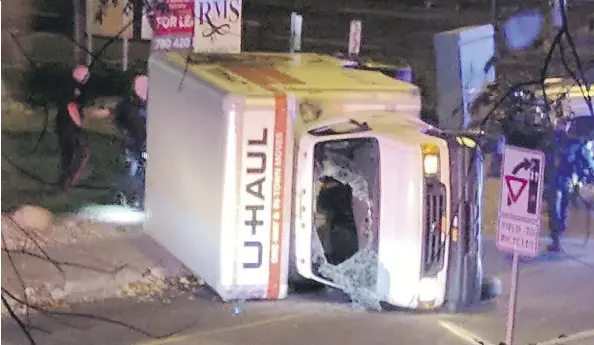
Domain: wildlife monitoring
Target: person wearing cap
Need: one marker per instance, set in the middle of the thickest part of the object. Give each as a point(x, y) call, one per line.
point(130, 119)
point(72, 140)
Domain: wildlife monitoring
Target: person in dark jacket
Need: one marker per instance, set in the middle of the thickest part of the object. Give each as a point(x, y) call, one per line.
point(130, 118)
point(72, 140)
point(574, 169)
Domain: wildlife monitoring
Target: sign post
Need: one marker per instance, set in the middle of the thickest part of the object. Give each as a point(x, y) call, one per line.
point(125, 46)
point(89, 31)
point(296, 30)
point(174, 28)
point(518, 226)
point(355, 37)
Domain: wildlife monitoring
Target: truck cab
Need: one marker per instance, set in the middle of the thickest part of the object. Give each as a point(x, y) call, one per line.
point(375, 193)
point(361, 196)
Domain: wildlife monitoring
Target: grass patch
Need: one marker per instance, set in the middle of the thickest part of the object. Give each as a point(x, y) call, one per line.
point(104, 169)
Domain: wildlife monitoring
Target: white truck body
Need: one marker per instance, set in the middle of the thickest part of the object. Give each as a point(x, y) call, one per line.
point(231, 174)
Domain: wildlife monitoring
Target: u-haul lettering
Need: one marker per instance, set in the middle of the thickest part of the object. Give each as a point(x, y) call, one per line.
point(262, 197)
point(255, 208)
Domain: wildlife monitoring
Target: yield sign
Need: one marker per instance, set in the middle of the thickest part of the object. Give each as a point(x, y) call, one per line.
point(515, 187)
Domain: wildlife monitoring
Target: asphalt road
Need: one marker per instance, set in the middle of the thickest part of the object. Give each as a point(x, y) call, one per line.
point(555, 299)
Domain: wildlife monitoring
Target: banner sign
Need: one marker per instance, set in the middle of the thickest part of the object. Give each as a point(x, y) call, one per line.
point(218, 27)
point(174, 28)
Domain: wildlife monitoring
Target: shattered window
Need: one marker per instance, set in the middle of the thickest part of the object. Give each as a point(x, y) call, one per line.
point(344, 243)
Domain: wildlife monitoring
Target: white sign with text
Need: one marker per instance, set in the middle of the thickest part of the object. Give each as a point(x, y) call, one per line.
point(218, 26)
point(522, 180)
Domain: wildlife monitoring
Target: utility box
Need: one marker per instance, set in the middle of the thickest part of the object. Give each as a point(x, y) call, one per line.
point(462, 58)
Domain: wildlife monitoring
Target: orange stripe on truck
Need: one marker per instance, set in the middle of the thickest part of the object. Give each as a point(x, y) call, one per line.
point(266, 77)
point(278, 190)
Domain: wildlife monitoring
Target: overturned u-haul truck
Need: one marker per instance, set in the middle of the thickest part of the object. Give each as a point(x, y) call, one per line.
point(271, 169)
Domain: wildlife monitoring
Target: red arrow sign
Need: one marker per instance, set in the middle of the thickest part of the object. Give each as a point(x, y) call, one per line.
point(513, 196)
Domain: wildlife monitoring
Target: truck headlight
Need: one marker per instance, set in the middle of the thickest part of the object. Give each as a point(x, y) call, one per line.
point(430, 159)
point(428, 290)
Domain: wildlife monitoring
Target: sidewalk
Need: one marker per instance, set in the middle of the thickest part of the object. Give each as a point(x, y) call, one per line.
point(91, 267)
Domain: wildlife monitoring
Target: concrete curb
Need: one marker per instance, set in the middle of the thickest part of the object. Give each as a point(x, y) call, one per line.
point(93, 270)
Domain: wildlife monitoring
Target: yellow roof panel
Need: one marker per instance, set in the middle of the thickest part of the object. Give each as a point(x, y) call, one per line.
point(263, 73)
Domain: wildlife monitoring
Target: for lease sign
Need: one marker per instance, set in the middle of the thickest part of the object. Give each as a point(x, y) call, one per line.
point(264, 141)
point(174, 27)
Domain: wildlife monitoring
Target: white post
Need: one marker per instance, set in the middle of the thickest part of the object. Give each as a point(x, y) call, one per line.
point(296, 31)
point(79, 27)
point(125, 44)
point(513, 295)
point(89, 30)
point(125, 52)
point(355, 33)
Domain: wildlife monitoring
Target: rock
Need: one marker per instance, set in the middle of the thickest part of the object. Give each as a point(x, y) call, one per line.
point(184, 281)
point(154, 273)
point(34, 218)
point(29, 292)
point(26, 228)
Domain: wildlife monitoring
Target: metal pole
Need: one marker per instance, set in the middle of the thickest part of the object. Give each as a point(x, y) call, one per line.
point(89, 29)
point(79, 30)
point(125, 44)
point(494, 12)
point(511, 308)
point(125, 52)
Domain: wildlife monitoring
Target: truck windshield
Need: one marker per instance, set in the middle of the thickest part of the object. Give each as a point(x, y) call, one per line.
point(346, 216)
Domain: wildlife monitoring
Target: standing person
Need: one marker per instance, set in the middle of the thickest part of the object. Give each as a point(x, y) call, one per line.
point(72, 140)
point(560, 164)
point(130, 118)
point(574, 168)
